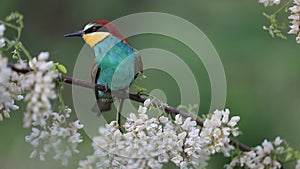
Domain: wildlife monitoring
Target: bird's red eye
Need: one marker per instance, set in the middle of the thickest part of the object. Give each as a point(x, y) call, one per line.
point(92, 29)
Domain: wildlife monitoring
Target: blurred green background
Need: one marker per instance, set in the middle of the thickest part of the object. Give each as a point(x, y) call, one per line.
point(262, 73)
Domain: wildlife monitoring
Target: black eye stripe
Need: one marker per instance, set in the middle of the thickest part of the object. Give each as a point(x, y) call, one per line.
point(96, 29)
point(92, 29)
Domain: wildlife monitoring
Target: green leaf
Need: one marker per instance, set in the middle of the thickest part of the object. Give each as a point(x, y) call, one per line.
point(289, 156)
point(297, 155)
point(15, 16)
point(62, 68)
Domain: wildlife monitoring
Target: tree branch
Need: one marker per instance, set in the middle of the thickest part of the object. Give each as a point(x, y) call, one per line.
point(135, 97)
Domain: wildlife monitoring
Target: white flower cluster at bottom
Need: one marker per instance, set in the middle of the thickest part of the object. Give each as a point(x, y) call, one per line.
point(261, 157)
point(152, 142)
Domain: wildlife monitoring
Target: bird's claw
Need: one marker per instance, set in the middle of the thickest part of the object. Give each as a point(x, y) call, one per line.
point(106, 89)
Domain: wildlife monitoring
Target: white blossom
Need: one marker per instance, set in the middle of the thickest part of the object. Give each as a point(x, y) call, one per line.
point(178, 119)
point(260, 157)
point(152, 142)
point(43, 56)
point(52, 132)
point(147, 103)
point(142, 109)
point(59, 137)
point(295, 17)
point(297, 164)
point(41, 87)
point(10, 89)
point(216, 131)
point(233, 121)
point(2, 29)
point(269, 2)
point(267, 147)
point(2, 42)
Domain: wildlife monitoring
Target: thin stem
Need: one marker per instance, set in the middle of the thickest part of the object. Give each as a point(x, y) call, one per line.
point(25, 51)
point(18, 29)
point(60, 96)
point(9, 25)
point(19, 33)
point(9, 44)
point(282, 7)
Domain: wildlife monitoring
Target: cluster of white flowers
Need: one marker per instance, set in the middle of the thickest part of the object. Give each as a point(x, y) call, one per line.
point(151, 142)
point(41, 90)
point(10, 89)
point(295, 17)
point(51, 131)
point(10, 84)
point(269, 2)
point(216, 130)
point(58, 137)
point(261, 157)
point(2, 40)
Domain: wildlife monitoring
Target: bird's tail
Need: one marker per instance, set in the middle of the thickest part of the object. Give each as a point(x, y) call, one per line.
point(102, 105)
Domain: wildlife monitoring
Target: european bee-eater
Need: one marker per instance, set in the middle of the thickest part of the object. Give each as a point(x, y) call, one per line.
point(116, 62)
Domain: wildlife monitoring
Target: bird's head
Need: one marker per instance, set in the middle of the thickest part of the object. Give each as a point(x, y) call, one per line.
point(97, 30)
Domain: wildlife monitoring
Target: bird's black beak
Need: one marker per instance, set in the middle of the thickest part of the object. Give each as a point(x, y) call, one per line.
point(77, 33)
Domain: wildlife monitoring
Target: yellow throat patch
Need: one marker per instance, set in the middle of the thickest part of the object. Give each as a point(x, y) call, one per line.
point(93, 38)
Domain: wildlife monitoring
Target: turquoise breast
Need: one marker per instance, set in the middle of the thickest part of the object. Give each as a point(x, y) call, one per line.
point(116, 60)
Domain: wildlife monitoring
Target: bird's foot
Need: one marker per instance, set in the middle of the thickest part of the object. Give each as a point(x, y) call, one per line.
point(106, 89)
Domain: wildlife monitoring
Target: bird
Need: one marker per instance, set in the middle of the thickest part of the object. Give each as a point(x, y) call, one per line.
point(116, 63)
